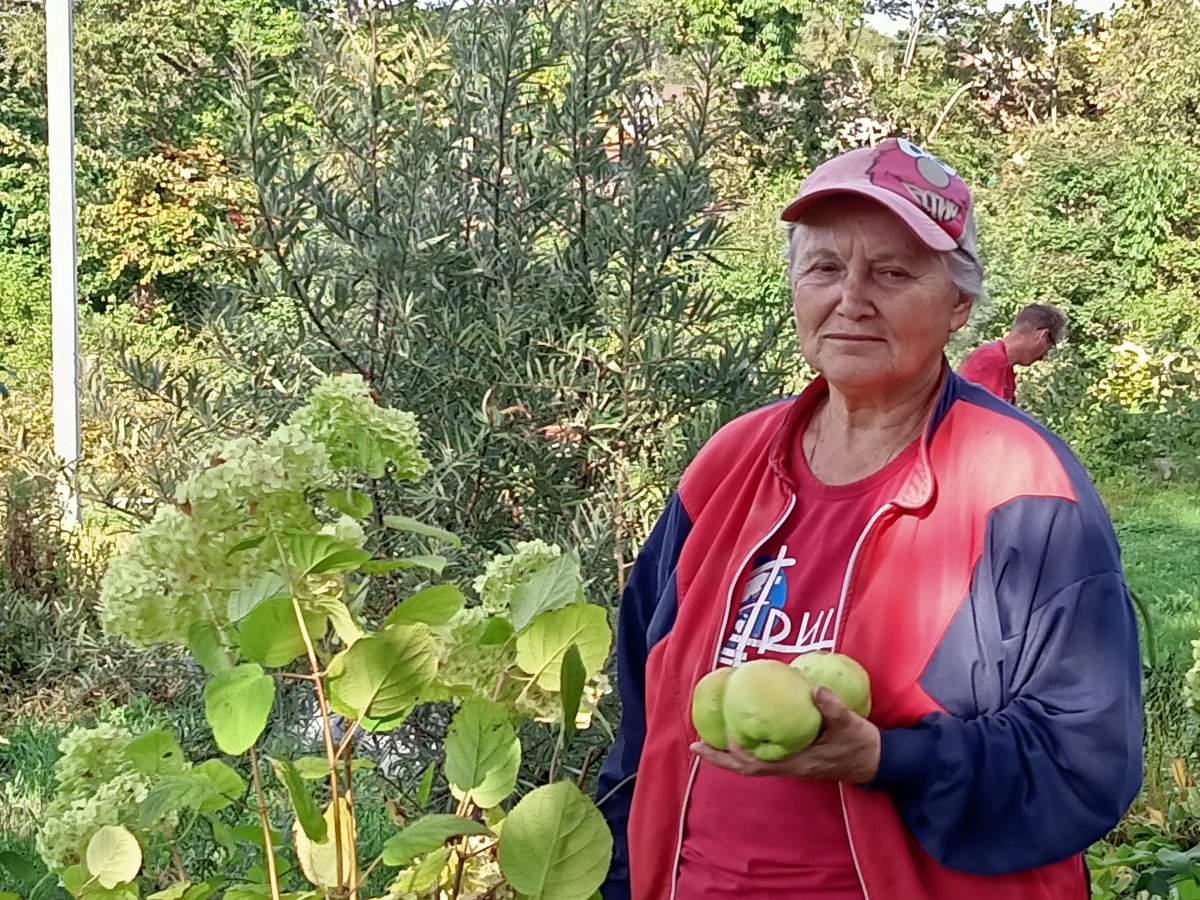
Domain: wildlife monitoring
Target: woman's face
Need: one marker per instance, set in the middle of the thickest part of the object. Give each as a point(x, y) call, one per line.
point(874, 306)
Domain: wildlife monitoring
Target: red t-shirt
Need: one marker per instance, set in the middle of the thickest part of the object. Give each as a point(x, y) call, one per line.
point(989, 367)
point(754, 838)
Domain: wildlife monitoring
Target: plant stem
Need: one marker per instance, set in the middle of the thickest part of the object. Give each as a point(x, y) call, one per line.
point(268, 847)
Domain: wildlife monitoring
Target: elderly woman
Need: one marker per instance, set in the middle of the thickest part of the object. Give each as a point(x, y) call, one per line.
point(897, 514)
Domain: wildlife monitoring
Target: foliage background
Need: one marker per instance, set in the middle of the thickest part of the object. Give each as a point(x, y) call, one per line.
point(550, 231)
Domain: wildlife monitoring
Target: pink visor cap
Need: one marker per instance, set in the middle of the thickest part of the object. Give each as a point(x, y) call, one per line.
point(923, 191)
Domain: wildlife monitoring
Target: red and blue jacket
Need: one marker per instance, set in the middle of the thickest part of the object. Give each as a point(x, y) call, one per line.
point(987, 603)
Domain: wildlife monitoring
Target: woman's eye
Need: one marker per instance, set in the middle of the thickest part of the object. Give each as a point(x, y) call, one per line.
point(894, 274)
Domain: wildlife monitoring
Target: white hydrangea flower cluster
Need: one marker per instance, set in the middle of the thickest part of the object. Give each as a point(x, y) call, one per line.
point(97, 785)
point(179, 570)
point(504, 572)
point(481, 877)
point(361, 435)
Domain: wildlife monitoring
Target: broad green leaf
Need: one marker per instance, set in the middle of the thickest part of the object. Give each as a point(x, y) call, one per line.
point(223, 834)
point(5, 895)
point(497, 631)
point(542, 646)
point(350, 502)
point(113, 856)
point(571, 681)
point(384, 675)
point(226, 784)
point(236, 705)
point(319, 860)
point(316, 768)
point(155, 752)
point(244, 600)
point(172, 793)
point(78, 882)
point(553, 586)
point(425, 835)
point(555, 845)
point(321, 554)
point(412, 526)
point(433, 606)
point(19, 867)
point(308, 814)
point(434, 564)
point(483, 753)
point(426, 786)
point(339, 617)
point(204, 640)
point(421, 878)
point(271, 635)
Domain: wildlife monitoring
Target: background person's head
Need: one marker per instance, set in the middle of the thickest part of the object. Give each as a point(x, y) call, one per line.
point(882, 265)
point(1036, 330)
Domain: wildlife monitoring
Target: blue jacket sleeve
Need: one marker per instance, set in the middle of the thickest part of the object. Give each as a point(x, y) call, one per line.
point(1048, 754)
point(645, 616)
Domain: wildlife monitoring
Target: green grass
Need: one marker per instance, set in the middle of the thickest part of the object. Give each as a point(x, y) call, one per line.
point(1158, 527)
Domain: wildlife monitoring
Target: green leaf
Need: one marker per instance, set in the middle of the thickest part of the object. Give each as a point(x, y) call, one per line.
point(316, 768)
point(426, 786)
point(433, 606)
point(227, 785)
point(542, 646)
point(571, 681)
point(497, 631)
point(205, 643)
point(321, 554)
point(555, 845)
point(155, 752)
point(422, 877)
point(271, 635)
point(483, 753)
point(19, 867)
point(223, 834)
point(413, 526)
point(248, 544)
point(434, 564)
point(383, 675)
point(236, 705)
point(319, 861)
point(113, 856)
point(426, 835)
point(350, 502)
point(553, 586)
point(243, 601)
point(335, 609)
point(171, 794)
point(308, 814)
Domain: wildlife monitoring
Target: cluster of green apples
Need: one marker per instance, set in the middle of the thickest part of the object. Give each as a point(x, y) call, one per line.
point(766, 706)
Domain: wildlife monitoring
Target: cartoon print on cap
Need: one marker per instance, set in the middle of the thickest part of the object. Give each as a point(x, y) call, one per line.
point(905, 169)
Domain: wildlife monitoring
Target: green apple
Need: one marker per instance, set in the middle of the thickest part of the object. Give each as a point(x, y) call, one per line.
point(708, 714)
point(842, 675)
point(769, 709)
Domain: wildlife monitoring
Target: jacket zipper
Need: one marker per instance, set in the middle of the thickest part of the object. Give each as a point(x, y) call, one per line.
point(837, 634)
point(715, 657)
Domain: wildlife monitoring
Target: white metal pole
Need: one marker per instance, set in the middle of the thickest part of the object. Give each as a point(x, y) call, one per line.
point(60, 115)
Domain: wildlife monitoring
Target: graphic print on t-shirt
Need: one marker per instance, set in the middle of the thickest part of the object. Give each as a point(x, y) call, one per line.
point(763, 626)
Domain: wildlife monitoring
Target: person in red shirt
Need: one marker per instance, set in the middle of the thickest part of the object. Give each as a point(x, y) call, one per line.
point(1036, 331)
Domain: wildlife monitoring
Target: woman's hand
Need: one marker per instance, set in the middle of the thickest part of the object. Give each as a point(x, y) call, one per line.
point(847, 749)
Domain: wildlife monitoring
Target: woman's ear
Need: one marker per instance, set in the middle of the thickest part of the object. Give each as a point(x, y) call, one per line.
point(961, 311)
